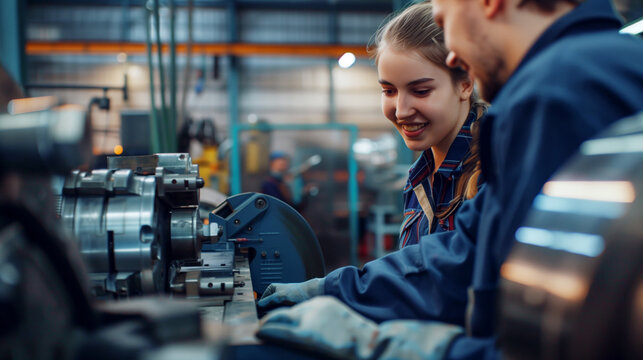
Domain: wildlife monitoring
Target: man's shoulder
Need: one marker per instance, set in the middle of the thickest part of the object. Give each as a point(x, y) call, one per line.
point(595, 47)
point(574, 65)
point(269, 182)
point(600, 52)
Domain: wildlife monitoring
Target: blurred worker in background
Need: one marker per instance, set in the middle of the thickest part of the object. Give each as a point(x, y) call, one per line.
point(556, 73)
point(435, 110)
point(276, 184)
point(283, 180)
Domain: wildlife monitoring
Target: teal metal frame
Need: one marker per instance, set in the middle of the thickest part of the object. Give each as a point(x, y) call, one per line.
point(353, 187)
point(12, 39)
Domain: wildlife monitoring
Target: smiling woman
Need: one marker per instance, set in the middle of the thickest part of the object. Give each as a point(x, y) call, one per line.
point(434, 108)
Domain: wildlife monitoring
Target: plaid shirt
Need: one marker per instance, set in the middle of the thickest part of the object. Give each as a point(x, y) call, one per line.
point(435, 197)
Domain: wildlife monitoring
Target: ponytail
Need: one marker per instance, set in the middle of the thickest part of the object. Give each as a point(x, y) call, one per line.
point(467, 186)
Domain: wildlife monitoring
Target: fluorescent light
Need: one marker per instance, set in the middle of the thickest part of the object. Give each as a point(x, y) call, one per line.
point(347, 60)
point(590, 245)
point(121, 58)
point(614, 191)
point(634, 28)
point(613, 145)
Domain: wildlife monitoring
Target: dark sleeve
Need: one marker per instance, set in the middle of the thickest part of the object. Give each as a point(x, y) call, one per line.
point(270, 188)
point(471, 348)
point(425, 281)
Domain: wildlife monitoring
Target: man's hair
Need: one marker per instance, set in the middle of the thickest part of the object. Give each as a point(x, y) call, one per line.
point(547, 5)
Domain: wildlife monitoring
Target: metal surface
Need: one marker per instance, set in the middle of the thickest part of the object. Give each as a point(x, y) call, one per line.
point(138, 230)
point(571, 287)
point(134, 219)
point(280, 244)
point(44, 297)
point(183, 231)
point(214, 275)
point(125, 219)
point(54, 140)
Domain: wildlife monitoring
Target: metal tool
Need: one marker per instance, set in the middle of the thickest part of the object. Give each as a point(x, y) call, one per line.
point(280, 244)
point(134, 220)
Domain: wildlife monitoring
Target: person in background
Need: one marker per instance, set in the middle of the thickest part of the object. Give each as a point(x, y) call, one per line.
point(435, 109)
point(556, 73)
point(276, 183)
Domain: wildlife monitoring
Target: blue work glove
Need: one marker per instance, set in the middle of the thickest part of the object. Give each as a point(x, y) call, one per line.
point(326, 325)
point(277, 295)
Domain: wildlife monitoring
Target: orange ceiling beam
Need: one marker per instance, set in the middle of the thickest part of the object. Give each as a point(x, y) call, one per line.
point(238, 49)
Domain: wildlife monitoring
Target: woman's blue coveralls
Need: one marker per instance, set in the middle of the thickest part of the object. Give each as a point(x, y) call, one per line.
point(578, 77)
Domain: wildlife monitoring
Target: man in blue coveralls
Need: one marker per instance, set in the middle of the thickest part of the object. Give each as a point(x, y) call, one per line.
point(556, 73)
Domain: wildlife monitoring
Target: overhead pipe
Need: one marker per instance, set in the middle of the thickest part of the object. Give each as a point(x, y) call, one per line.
point(123, 88)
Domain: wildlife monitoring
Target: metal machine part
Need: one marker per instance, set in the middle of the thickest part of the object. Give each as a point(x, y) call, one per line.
point(280, 244)
point(124, 218)
point(139, 232)
point(572, 287)
point(55, 141)
point(134, 220)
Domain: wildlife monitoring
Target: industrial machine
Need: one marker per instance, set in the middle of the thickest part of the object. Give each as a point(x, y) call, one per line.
point(139, 232)
point(572, 287)
point(136, 231)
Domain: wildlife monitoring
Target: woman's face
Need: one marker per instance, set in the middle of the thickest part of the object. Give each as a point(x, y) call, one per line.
point(419, 98)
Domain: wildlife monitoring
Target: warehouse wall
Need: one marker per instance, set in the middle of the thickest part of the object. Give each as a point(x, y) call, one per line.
point(278, 89)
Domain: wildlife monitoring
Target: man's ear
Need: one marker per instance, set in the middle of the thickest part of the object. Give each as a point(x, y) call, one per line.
point(492, 7)
point(466, 88)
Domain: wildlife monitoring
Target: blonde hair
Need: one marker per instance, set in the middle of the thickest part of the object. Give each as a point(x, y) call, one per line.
point(413, 29)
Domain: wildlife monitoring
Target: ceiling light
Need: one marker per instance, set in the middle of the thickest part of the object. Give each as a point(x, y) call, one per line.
point(347, 60)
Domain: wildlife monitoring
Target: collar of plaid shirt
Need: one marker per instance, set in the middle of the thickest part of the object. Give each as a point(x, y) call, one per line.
point(452, 163)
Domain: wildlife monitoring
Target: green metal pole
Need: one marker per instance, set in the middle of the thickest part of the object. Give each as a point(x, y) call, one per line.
point(154, 121)
point(187, 71)
point(172, 130)
point(159, 50)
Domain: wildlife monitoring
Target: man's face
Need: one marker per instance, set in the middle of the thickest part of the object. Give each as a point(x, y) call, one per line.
point(279, 165)
point(471, 48)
